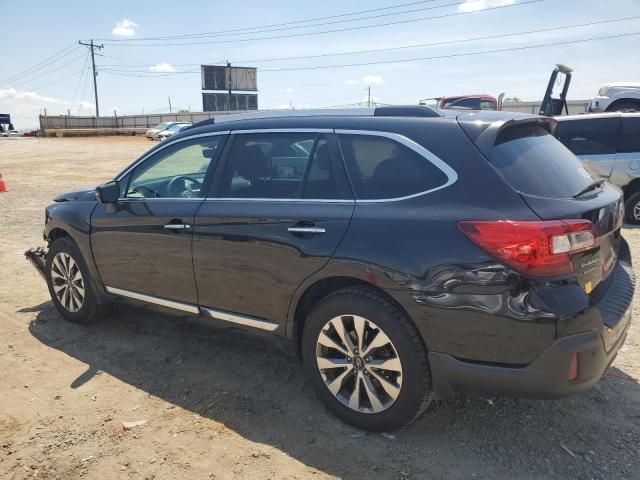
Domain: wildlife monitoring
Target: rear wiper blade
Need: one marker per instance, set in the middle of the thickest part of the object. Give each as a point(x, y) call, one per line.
point(588, 188)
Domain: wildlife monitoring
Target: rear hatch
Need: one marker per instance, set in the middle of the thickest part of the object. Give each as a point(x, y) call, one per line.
point(556, 186)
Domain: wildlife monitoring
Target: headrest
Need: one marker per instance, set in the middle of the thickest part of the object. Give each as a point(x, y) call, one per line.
point(251, 162)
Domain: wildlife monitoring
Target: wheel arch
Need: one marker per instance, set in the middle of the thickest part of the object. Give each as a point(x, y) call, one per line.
point(630, 188)
point(618, 102)
point(312, 293)
point(57, 233)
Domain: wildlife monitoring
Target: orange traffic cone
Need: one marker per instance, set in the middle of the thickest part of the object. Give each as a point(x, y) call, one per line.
point(3, 187)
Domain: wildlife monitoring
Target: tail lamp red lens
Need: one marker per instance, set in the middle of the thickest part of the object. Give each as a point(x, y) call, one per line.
point(541, 248)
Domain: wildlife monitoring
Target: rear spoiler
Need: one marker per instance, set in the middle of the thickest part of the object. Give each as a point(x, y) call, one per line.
point(483, 128)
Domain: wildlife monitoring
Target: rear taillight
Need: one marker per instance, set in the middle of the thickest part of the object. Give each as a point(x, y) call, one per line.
point(535, 248)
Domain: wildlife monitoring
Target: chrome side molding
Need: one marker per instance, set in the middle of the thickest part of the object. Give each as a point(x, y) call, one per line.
point(240, 319)
point(185, 307)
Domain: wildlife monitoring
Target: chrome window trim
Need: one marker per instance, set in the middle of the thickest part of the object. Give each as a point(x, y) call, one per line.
point(452, 175)
point(245, 320)
point(282, 130)
point(165, 145)
point(276, 200)
point(160, 199)
point(185, 307)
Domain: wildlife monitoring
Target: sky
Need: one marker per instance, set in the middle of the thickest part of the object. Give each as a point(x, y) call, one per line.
point(138, 74)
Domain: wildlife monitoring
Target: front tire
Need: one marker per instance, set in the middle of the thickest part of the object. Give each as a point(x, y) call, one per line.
point(625, 107)
point(69, 283)
point(365, 360)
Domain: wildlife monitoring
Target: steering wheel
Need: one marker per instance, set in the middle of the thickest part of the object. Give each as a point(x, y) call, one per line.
point(177, 186)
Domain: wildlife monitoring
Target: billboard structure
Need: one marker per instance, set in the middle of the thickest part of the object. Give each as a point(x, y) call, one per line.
point(223, 88)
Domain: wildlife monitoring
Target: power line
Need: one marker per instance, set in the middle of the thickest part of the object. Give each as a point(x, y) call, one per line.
point(346, 29)
point(377, 50)
point(84, 70)
point(8, 79)
point(453, 55)
point(190, 35)
point(54, 70)
point(279, 29)
point(55, 81)
point(40, 66)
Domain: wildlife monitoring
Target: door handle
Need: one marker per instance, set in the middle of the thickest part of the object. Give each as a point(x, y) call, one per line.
point(177, 226)
point(307, 230)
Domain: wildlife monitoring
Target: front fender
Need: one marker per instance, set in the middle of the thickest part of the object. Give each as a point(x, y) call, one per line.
point(74, 219)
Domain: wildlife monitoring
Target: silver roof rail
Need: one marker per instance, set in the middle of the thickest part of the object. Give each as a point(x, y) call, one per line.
point(385, 111)
point(316, 112)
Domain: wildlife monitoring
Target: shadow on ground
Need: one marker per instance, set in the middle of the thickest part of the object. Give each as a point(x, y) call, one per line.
point(260, 393)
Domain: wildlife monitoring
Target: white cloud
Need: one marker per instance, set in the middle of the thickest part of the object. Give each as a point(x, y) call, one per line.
point(288, 90)
point(25, 106)
point(372, 79)
point(125, 28)
point(367, 79)
point(162, 67)
point(476, 5)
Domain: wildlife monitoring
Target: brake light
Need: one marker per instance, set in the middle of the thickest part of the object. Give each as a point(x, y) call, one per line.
point(536, 248)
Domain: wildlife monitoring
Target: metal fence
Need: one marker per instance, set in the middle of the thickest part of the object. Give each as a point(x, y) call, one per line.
point(133, 124)
point(575, 107)
point(119, 123)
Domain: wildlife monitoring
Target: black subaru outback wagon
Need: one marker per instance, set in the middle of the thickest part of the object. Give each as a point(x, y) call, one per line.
point(408, 255)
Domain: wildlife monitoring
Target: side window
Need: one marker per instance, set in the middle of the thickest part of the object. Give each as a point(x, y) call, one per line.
point(597, 136)
point(630, 138)
point(280, 165)
point(382, 168)
point(177, 171)
point(326, 179)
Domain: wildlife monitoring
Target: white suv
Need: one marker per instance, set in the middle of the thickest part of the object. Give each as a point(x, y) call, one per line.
point(616, 97)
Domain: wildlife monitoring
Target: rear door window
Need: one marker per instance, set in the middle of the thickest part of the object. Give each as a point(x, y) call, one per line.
point(534, 163)
point(597, 136)
point(283, 166)
point(630, 137)
point(383, 168)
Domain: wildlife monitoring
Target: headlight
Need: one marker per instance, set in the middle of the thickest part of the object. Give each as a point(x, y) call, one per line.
point(603, 91)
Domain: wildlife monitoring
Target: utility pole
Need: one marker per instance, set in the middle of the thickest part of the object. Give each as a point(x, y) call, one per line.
point(369, 97)
point(170, 111)
point(92, 47)
point(229, 85)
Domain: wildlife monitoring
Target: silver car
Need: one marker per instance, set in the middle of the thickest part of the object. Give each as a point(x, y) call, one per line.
point(153, 132)
point(616, 97)
point(609, 146)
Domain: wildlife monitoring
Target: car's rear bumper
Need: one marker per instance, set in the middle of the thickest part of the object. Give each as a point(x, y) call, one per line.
point(548, 375)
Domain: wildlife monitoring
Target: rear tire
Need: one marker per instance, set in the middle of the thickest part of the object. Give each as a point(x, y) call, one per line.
point(70, 284)
point(632, 209)
point(352, 387)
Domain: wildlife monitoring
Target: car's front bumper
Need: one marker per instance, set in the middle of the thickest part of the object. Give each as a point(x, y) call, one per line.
point(38, 258)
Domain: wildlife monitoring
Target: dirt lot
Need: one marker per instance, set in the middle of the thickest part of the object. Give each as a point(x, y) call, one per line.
point(220, 404)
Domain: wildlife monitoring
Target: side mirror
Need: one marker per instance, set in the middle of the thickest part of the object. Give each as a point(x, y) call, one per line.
point(108, 192)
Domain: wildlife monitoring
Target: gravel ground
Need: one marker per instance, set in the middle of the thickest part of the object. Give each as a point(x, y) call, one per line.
point(222, 404)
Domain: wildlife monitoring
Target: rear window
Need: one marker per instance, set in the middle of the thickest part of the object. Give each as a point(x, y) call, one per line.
point(382, 168)
point(533, 162)
point(597, 136)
